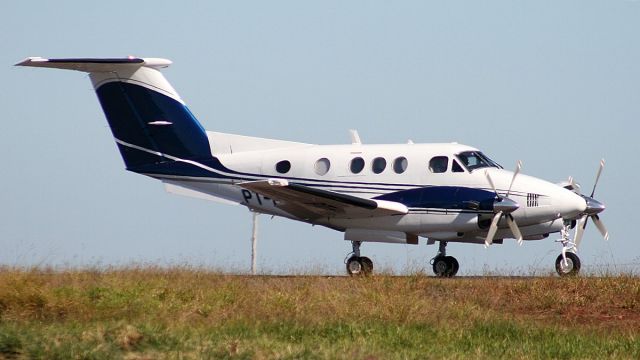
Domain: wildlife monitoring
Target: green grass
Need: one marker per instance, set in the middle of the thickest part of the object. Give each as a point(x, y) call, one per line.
point(150, 313)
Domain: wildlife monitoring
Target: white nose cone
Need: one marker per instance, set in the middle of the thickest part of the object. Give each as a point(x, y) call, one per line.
point(568, 203)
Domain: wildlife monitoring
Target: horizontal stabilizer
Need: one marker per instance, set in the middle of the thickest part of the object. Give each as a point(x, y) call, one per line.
point(94, 64)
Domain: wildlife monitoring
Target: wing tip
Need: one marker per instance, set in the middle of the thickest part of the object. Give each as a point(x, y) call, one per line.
point(29, 61)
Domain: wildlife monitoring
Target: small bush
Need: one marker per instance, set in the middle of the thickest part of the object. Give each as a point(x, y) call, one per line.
point(10, 344)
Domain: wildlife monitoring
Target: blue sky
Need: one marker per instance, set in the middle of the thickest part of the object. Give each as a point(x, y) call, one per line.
point(555, 84)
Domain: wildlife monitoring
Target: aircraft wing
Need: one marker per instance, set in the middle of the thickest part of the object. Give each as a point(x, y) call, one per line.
point(310, 203)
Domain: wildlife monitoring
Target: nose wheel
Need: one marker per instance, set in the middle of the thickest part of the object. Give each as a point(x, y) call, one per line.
point(358, 265)
point(443, 265)
point(569, 265)
point(568, 262)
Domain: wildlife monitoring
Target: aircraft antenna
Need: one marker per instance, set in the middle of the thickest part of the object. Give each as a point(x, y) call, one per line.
point(355, 137)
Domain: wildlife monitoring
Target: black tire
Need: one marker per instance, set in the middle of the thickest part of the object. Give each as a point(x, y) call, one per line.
point(355, 266)
point(454, 265)
point(367, 265)
point(573, 265)
point(441, 266)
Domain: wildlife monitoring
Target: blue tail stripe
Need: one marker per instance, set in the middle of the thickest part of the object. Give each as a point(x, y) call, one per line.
point(130, 108)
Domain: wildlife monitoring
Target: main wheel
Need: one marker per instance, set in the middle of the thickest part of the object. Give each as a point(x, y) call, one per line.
point(441, 266)
point(445, 266)
point(454, 265)
point(571, 268)
point(367, 265)
point(355, 266)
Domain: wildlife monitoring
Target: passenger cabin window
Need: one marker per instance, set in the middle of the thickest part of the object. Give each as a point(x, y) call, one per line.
point(400, 165)
point(455, 167)
point(438, 164)
point(322, 166)
point(475, 160)
point(283, 166)
point(378, 165)
point(357, 164)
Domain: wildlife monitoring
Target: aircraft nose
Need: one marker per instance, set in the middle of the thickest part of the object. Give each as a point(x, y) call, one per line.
point(570, 204)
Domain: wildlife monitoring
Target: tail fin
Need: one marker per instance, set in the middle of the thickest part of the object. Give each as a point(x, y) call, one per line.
point(148, 119)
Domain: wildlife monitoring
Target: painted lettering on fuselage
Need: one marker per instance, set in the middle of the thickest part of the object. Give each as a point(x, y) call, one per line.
point(253, 198)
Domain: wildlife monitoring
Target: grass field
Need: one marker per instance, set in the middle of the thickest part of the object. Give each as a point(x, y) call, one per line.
point(152, 313)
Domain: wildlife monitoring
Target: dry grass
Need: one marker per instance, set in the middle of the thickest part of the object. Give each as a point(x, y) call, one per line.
point(191, 313)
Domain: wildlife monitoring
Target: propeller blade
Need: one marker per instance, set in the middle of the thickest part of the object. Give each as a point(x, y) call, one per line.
point(597, 177)
point(582, 223)
point(514, 228)
point(486, 173)
point(575, 187)
point(600, 226)
point(515, 173)
point(492, 229)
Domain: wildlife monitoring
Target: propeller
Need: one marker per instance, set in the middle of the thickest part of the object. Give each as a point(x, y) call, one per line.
point(572, 185)
point(594, 207)
point(503, 206)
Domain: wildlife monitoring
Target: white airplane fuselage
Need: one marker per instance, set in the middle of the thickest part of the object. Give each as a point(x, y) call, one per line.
point(537, 219)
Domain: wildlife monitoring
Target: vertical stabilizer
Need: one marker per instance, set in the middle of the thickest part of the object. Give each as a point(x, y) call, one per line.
point(147, 117)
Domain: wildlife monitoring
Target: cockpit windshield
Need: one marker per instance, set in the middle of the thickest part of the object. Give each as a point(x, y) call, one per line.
point(475, 160)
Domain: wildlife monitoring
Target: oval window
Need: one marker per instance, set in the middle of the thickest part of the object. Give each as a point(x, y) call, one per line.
point(378, 165)
point(439, 164)
point(357, 164)
point(283, 166)
point(322, 166)
point(400, 165)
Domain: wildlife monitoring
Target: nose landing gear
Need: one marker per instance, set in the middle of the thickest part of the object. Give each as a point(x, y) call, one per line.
point(358, 265)
point(567, 263)
point(443, 265)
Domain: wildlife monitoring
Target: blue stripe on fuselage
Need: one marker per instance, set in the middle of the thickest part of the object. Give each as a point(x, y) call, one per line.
point(435, 197)
point(443, 197)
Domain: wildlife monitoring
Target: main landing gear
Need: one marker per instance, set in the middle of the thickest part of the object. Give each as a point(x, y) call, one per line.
point(443, 265)
point(358, 265)
point(567, 263)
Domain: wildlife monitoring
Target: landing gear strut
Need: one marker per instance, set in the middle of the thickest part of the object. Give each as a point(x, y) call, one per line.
point(567, 263)
point(443, 265)
point(358, 265)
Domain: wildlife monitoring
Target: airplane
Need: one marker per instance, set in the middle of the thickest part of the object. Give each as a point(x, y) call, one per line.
point(390, 193)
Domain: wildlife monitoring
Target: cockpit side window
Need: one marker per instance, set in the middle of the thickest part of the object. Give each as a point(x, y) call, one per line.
point(455, 167)
point(475, 160)
point(438, 164)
